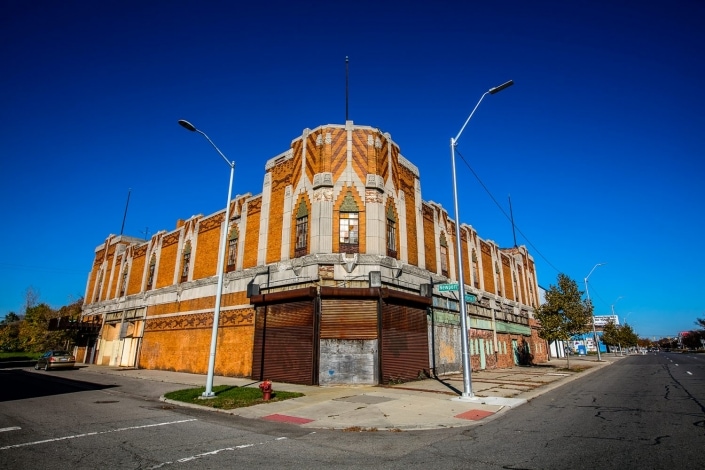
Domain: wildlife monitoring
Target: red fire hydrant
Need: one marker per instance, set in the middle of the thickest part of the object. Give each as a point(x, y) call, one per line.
point(266, 388)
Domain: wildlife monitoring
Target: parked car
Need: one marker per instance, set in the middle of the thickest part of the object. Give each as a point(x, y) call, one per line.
point(55, 360)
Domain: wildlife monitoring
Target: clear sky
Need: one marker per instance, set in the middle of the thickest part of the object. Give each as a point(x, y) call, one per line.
point(600, 142)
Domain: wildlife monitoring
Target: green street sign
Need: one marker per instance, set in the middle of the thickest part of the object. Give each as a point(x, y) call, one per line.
point(447, 287)
point(470, 298)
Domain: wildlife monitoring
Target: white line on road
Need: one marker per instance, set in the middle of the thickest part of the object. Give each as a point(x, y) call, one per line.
point(95, 433)
point(14, 428)
point(213, 452)
point(689, 372)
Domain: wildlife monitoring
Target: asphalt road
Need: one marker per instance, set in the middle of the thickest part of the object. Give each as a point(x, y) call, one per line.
point(640, 412)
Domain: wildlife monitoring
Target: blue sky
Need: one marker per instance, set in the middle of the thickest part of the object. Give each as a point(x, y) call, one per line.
point(600, 142)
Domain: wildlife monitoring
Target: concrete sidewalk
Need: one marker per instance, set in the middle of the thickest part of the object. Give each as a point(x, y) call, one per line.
point(423, 404)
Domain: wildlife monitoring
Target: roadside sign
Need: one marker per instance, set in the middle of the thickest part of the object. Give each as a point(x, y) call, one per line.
point(447, 287)
point(470, 298)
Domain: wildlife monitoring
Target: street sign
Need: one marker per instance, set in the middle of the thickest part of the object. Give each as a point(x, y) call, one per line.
point(470, 298)
point(447, 287)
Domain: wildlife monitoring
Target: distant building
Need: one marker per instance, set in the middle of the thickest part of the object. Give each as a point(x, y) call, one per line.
point(332, 276)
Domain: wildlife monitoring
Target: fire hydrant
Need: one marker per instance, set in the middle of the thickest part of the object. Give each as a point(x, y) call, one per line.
point(266, 388)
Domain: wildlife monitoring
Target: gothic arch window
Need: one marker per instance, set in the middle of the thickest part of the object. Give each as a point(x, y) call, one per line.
point(349, 225)
point(391, 232)
point(444, 255)
point(123, 281)
point(233, 238)
point(99, 286)
point(152, 267)
point(186, 261)
point(475, 271)
point(301, 245)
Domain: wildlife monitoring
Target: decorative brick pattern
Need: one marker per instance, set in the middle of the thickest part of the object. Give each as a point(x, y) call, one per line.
point(429, 238)
point(167, 265)
point(254, 213)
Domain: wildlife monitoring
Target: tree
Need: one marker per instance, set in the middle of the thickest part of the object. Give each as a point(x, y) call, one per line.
point(610, 334)
point(692, 339)
point(10, 332)
point(31, 332)
point(564, 314)
point(627, 336)
point(11, 317)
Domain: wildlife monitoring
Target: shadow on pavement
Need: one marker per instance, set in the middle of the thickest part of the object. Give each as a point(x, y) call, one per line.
point(19, 384)
point(446, 384)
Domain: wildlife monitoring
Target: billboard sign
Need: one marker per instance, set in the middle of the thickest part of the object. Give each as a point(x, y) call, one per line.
point(602, 320)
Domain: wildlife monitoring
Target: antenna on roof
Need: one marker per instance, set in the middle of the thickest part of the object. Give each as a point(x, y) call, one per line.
point(346, 88)
point(511, 215)
point(125, 215)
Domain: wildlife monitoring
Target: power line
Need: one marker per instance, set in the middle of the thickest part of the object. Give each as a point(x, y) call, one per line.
point(535, 250)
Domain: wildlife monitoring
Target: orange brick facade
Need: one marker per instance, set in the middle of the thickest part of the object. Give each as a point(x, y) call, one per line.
point(326, 174)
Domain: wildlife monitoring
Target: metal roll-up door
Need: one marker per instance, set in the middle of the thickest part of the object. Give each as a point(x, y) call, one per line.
point(348, 319)
point(404, 342)
point(284, 343)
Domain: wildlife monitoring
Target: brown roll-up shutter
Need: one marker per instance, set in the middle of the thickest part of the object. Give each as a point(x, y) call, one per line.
point(284, 296)
point(404, 342)
point(348, 319)
point(284, 343)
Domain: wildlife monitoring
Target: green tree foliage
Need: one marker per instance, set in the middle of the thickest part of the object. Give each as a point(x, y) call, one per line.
point(610, 334)
point(10, 332)
point(627, 336)
point(11, 317)
point(34, 333)
point(31, 333)
point(564, 314)
point(619, 335)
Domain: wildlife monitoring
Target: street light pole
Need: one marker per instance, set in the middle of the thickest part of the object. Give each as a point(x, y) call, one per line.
point(594, 330)
point(221, 259)
point(467, 385)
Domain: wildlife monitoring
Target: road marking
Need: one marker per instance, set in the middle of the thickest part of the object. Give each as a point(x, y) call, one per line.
point(14, 428)
point(95, 433)
point(689, 372)
point(676, 365)
point(213, 452)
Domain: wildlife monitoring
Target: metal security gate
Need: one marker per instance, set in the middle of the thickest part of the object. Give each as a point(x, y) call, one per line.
point(404, 345)
point(284, 347)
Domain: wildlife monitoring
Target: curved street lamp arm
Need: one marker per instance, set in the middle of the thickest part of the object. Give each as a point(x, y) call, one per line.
point(455, 141)
point(491, 91)
point(230, 164)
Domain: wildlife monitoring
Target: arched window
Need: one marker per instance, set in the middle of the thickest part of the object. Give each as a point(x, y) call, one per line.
point(444, 255)
point(231, 265)
point(123, 281)
point(152, 266)
point(349, 225)
point(391, 233)
point(301, 245)
point(99, 286)
point(186, 261)
point(475, 271)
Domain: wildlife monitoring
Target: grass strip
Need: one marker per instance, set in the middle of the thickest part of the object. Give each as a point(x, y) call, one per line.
point(228, 397)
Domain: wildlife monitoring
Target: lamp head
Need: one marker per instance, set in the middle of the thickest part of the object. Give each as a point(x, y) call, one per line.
point(501, 87)
point(187, 125)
